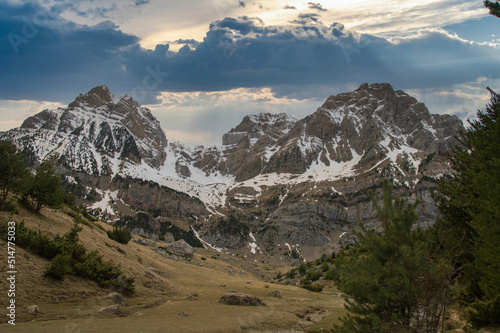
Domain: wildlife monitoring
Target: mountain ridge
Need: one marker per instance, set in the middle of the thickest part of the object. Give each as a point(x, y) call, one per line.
point(290, 174)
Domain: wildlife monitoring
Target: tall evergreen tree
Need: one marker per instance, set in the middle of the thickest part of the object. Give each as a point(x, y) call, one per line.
point(470, 207)
point(14, 171)
point(395, 281)
point(46, 187)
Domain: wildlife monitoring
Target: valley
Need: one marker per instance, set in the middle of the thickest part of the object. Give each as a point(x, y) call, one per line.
point(171, 295)
point(279, 193)
point(288, 181)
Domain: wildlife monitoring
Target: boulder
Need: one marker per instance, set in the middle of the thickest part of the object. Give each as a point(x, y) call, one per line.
point(142, 241)
point(169, 237)
point(240, 299)
point(117, 298)
point(33, 309)
point(275, 293)
point(180, 248)
point(120, 249)
point(166, 254)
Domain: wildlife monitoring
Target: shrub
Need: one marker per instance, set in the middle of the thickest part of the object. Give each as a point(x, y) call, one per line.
point(312, 287)
point(37, 242)
point(124, 284)
point(105, 273)
point(330, 274)
point(121, 235)
point(58, 267)
point(314, 275)
point(68, 255)
point(305, 281)
point(325, 267)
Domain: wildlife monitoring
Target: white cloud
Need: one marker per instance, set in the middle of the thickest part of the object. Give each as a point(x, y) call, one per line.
point(463, 100)
point(13, 113)
point(203, 117)
point(156, 22)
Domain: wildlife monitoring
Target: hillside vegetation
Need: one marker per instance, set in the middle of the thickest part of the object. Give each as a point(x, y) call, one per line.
point(182, 293)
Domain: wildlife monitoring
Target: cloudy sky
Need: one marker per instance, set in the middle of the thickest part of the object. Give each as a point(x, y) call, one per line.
point(201, 65)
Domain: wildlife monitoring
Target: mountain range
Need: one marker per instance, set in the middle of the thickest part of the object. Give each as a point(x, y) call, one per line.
point(277, 186)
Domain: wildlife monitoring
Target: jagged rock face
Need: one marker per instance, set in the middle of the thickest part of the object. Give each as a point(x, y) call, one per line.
point(370, 122)
point(368, 125)
point(256, 126)
point(149, 196)
point(94, 140)
point(95, 129)
point(288, 181)
point(249, 143)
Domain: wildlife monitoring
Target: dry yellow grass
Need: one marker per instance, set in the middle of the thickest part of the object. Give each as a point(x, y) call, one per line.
point(183, 297)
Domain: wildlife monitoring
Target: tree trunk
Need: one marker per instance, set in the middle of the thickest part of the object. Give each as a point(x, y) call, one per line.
point(4, 197)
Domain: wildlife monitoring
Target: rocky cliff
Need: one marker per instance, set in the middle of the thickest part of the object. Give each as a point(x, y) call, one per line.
point(277, 184)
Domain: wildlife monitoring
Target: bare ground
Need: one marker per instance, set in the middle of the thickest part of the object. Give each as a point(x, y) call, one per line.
point(171, 296)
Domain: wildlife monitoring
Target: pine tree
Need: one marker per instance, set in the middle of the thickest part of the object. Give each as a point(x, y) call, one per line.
point(469, 204)
point(396, 280)
point(14, 171)
point(46, 188)
point(494, 7)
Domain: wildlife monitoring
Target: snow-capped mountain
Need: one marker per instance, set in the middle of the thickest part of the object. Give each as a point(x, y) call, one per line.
point(367, 126)
point(306, 177)
point(94, 134)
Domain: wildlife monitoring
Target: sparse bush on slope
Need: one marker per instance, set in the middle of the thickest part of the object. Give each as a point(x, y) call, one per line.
point(68, 256)
point(121, 235)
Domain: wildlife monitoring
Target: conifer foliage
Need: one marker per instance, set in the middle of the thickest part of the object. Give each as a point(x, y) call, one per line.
point(396, 280)
point(494, 7)
point(14, 173)
point(46, 188)
point(470, 207)
point(43, 188)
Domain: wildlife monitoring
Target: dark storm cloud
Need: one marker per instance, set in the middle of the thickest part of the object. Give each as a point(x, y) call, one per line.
point(245, 53)
point(192, 42)
point(45, 57)
point(141, 2)
point(95, 12)
point(316, 6)
point(305, 18)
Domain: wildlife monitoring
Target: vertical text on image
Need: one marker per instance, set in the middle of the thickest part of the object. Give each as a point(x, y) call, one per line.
point(11, 271)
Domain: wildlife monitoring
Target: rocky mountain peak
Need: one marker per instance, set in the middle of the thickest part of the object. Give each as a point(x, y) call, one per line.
point(369, 124)
point(96, 97)
point(291, 181)
point(95, 132)
point(262, 124)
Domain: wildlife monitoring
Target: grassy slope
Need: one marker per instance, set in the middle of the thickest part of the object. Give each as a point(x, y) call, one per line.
point(191, 288)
